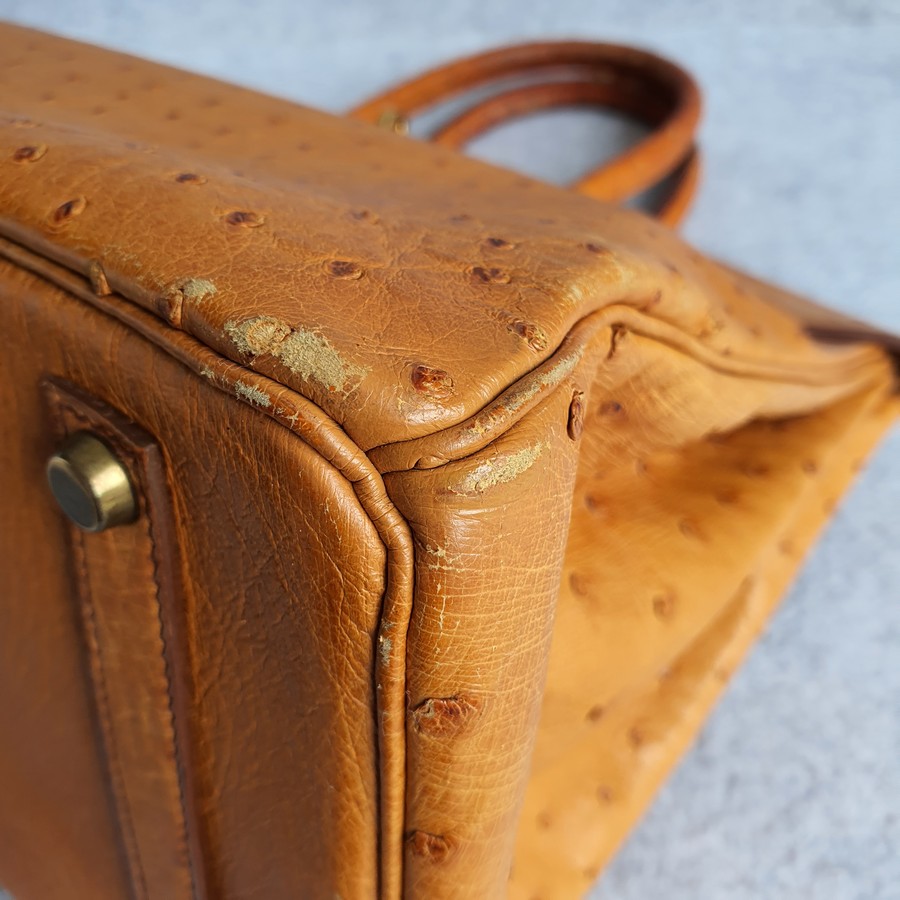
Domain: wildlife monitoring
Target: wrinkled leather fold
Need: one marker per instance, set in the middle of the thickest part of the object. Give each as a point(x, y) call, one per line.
point(481, 488)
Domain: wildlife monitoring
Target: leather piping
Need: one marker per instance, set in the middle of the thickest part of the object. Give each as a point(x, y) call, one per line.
point(511, 405)
point(311, 425)
point(440, 446)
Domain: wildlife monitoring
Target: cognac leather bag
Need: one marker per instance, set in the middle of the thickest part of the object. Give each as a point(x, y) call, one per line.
point(417, 511)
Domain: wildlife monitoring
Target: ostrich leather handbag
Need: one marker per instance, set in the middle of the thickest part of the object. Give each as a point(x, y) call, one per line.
point(405, 515)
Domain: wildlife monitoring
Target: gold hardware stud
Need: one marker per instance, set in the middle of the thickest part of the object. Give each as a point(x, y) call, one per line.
point(394, 121)
point(90, 484)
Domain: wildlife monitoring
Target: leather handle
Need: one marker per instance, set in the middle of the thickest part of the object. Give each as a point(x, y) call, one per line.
point(632, 81)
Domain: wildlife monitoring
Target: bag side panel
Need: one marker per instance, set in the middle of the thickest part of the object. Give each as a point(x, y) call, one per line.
point(677, 556)
point(282, 578)
point(489, 535)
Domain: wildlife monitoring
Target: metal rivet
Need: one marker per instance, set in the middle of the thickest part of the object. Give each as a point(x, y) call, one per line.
point(90, 484)
point(391, 120)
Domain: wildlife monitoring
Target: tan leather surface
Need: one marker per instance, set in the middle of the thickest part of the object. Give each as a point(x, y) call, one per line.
point(675, 561)
point(299, 222)
point(488, 563)
point(281, 628)
point(380, 376)
point(662, 536)
point(59, 833)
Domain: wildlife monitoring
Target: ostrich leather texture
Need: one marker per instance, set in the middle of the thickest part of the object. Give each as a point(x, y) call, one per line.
point(460, 497)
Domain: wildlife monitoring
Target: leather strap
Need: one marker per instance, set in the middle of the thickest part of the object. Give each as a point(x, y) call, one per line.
point(127, 586)
point(625, 79)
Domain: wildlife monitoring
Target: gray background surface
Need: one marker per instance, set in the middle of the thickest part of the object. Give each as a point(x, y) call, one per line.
point(794, 787)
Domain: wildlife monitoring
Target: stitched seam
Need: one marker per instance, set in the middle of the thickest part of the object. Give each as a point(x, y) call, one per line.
point(139, 883)
point(707, 357)
point(167, 670)
point(455, 441)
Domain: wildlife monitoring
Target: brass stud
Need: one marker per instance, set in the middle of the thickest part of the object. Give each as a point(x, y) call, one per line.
point(90, 484)
point(391, 120)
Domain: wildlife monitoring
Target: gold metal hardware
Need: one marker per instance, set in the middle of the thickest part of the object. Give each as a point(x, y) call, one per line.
point(394, 121)
point(90, 484)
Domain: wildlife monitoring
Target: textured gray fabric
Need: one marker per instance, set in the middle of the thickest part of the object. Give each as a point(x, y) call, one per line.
point(794, 787)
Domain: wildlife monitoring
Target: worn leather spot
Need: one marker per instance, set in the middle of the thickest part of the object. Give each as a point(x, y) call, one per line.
point(445, 716)
point(306, 353)
point(97, 277)
point(169, 306)
point(498, 470)
point(261, 335)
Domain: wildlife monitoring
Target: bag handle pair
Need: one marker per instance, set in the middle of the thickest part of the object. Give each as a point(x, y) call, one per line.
point(631, 81)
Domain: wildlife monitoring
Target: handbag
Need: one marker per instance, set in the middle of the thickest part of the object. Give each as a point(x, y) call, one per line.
point(405, 515)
